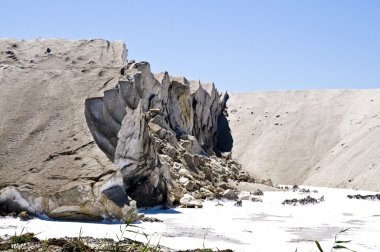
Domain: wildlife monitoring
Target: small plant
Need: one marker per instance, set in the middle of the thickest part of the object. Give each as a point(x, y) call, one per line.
point(44, 245)
point(338, 244)
point(77, 245)
point(19, 242)
point(24, 238)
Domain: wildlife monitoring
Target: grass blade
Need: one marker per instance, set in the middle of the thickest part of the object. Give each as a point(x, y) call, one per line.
point(319, 246)
point(339, 247)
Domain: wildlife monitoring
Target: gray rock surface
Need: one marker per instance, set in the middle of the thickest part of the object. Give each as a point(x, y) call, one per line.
point(189, 201)
point(230, 194)
point(87, 135)
point(147, 122)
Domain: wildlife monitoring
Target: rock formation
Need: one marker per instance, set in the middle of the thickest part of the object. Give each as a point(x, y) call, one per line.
point(162, 133)
point(69, 153)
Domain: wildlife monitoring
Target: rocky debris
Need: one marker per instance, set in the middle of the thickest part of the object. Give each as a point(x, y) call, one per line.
point(144, 218)
point(303, 190)
point(250, 196)
point(189, 201)
point(238, 203)
point(285, 188)
point(304, 201)
point(219, 204)
point(225, 186)
point(251, 187)
point(29, 242)
point(150, 219)
point(244, 197)
point(258, 192)
point(24, 216)
point(255, 199)
point(296, 188)
point(365, 197)
point(230, 194)
point(267, 182)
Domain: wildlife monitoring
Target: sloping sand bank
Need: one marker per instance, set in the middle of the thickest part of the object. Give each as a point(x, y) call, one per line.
point(315, 137)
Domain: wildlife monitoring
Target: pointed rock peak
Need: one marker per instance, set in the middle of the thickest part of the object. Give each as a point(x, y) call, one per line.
point(194, 86)
point(142, 66)
point(161, 76)
point(180, 80)
point(209, 87)
point(124, 55)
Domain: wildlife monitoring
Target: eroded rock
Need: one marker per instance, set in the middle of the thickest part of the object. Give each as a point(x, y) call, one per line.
point(161, 138)
point(189, 201)
point(150, 123)
point(230, 194)
point(258, 192)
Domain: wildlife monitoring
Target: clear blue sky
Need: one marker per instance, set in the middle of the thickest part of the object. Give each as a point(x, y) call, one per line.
point(240, 45)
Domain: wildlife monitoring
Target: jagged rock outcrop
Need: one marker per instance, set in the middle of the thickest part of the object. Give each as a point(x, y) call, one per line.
point(151, 138)
point(148, 124)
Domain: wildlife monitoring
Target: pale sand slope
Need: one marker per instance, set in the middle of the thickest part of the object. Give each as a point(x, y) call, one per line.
point(42, 94)
point(323, 137)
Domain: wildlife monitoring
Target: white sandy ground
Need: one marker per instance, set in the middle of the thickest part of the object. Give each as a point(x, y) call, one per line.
point(267, 226)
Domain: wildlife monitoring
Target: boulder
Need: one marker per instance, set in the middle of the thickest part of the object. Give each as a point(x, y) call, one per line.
point(190, 202)
point(177, 193)
point(255, 199)
point(191, 145)
point(267, 182)
point(225, 186)
point(24, 216)
point(230, 194)
point(258, 192)
point(205, 192)
point(187, 183)
point(238, 203)
point(245, 197)
point(208, 173)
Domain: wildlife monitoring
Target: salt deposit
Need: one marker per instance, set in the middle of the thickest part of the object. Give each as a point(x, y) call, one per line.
point(256, 226)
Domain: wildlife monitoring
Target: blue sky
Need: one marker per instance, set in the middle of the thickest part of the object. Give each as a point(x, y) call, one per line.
point(240, 45)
